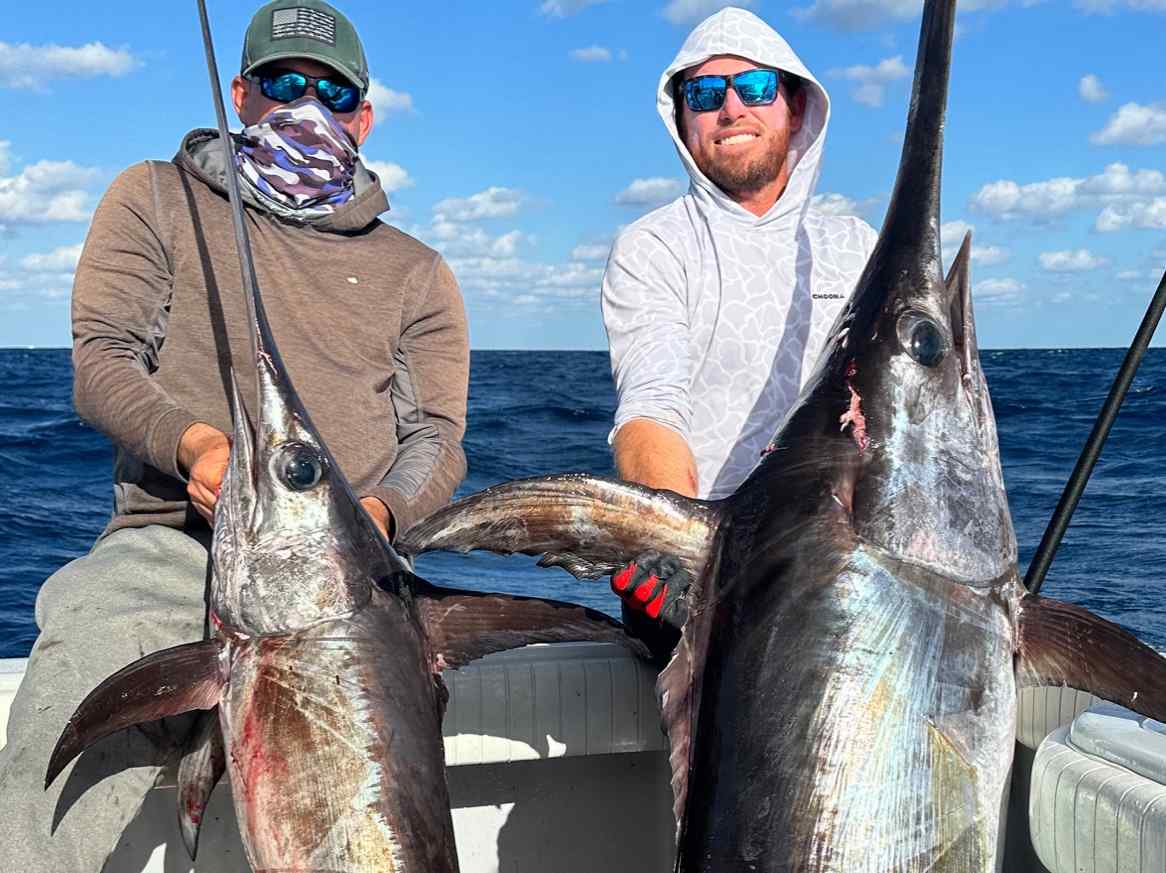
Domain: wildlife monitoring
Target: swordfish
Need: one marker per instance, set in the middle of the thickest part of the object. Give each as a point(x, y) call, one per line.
point(320, 690)
point(843, 696)
point(322, 681)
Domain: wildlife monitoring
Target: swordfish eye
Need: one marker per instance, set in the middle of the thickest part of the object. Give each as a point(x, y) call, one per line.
point(921, 338)
point(299, 467)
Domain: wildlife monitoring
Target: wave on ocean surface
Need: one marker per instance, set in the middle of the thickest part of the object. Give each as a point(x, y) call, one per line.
point(533, 413)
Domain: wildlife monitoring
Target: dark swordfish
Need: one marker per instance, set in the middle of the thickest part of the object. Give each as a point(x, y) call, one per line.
point(843, 697)
point(322, 680)
point(325, 664)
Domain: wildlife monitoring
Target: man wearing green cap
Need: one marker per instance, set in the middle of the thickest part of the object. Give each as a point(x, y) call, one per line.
point(370, 323)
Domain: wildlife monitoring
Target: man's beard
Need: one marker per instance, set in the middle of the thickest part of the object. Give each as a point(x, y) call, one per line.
point(735, 176)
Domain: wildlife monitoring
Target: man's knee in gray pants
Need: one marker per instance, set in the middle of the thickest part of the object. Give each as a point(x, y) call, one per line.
point(139, 590)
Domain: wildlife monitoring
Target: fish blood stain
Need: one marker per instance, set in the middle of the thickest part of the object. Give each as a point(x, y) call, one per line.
point(853, 416)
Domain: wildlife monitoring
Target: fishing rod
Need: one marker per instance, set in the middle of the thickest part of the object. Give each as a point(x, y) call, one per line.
point(1074, 488)
point(260, 327)
point(242, 241)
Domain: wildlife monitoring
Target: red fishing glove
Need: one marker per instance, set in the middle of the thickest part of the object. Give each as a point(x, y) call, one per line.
point(656, 585)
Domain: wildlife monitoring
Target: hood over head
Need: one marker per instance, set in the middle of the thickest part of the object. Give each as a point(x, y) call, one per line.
point(734, 31)
point(201, 155)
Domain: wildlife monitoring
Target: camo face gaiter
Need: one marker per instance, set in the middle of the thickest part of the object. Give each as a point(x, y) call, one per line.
point(300, 157)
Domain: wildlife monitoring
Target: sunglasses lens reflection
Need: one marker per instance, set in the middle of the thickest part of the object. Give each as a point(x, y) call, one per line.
point(705, 93)
point(756, 87)
point(338, 98)
point(289, 86)
point(285, 87)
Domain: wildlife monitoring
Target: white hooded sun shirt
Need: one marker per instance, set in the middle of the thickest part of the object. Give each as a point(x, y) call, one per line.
point(715, 316)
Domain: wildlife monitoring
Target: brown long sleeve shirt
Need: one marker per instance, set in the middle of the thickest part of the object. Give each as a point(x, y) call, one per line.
point(369, 321)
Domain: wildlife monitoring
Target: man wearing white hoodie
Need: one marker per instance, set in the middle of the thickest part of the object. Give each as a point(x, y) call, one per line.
point(717, 304)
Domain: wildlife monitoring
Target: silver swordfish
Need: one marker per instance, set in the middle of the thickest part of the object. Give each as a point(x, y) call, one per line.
point(322, 680)
point(321, 685)
point(843, 697)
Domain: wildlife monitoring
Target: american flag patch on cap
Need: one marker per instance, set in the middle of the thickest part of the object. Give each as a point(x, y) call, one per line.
point(301, 21)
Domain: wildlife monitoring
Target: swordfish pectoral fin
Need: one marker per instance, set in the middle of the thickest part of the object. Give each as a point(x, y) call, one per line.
point(1062, 644)
point(588, 525)
point(203, 761)
point(169, 682)
point(464, 625)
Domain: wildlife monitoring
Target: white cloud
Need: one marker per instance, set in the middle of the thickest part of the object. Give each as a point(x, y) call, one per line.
point(851, 15)
point(564, 8)
point(527, 282)
point(393, 177)
point(40, 275)
point(1107, 7)
point(858, 14)
point(686, 11)
point(997, 290)
point(506, 246)
point(951, 234)
point(1133, 275)
point(1116, 180)
point(951, 237)
point(494, 267)
point(989, 256)
point(1007, 199)
point(655, 191)
point(591, 54)
point(872, 81)
point(5, 156)
point(24, 65)
point(59, 260)
point(1071, 261)
point(1116, 184)
point(834, 204)
point(386, 101)
point(1146, 214)
point(570, 279)
point(1091, 90)
point(1134, 124)
point(597, 252)
point(494, 202)
point(45, 191)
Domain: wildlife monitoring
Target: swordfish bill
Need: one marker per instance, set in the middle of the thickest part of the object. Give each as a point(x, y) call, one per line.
point(843, 695)
point(320, 690)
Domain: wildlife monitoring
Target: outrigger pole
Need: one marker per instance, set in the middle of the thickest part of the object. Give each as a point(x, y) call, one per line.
point(1059, 523)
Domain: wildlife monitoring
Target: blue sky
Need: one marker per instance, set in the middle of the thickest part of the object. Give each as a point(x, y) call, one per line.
point(522, 134)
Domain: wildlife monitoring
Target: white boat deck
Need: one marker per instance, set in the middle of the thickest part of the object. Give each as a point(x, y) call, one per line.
point(556, 764)
point(538, 741)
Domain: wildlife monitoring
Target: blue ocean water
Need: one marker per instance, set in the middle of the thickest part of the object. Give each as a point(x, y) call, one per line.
point(533, 413)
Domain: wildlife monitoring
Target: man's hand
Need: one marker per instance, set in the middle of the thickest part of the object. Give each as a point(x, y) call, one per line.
point(655, 584)
point(203, 452)
point(380, 515)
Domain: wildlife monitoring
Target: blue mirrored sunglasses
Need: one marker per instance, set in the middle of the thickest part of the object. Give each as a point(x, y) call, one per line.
point(284, 86)
point(754, 87)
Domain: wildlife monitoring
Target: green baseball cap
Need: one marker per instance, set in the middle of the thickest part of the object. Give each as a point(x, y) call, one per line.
point(305, 29)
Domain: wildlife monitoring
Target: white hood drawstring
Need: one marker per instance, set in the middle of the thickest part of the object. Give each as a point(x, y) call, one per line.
point(715, 316)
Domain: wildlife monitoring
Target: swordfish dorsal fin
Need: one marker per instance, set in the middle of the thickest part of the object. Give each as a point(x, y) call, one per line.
point(588, 525)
